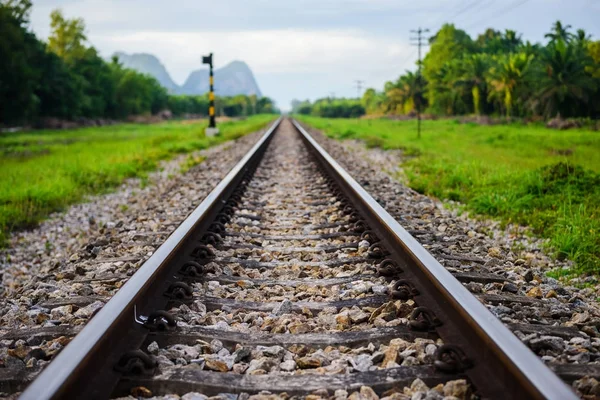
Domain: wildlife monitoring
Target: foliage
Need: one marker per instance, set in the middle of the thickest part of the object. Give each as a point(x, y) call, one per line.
point(447, 45)
point(524, 174)
point(330, 108)
point(44, 171)
point(564, 87)
point(67, 79)
point(507, 80)
point(68, 37)
point(500, 74)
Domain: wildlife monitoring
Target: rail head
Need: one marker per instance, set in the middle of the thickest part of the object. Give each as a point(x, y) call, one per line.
point(57, 378)
point(532, 375)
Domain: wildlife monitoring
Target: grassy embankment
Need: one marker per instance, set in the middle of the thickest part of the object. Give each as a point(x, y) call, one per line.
point(44, 171)
point(530, 175)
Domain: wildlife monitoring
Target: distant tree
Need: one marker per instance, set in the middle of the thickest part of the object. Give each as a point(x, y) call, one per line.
point(582, 38)
point(19, 74)
point(403, 95)
point(496, 42)
point(372, 101)
point(500, 74)
point(506, 77)
point(564, 85)
point(301, 107)
point(96, 82)
point(67, 38)
point(474, 70)
point(265, 105)
point(559, 32)
point(447, 45)
point(593, 68)
point(19, 9)
point(58, 91)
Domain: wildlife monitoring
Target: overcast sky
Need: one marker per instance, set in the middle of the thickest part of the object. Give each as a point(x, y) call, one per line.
point(302, 48)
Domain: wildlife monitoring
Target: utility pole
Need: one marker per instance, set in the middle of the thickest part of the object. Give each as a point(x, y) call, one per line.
point(359, 86)
point(212, 129)
point(419, 41)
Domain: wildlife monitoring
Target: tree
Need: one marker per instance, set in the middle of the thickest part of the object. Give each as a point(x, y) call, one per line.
point(593, 68)
point(448, 44)
point(506, 78)
point(474, 70)
point(559, 32)
point(372, 100)
point(564, 85)
point(58, 92)
point(96, 82)
point(68, 37)
point(496, 42)
point(403, 95)
point(19, 74)
point(265, 105)
point(19, 9)
point(582, 36)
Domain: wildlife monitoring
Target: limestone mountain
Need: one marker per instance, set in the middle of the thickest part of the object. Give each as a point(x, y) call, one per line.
point(230, 80)
point(148, 64)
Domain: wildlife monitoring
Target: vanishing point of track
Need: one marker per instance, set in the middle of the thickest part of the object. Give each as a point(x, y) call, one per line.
point(289, 277)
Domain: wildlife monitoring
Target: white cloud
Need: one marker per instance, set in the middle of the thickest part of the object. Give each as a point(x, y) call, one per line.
point(343, 52)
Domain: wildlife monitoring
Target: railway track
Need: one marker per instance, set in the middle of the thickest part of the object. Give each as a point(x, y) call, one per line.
point(290, 278)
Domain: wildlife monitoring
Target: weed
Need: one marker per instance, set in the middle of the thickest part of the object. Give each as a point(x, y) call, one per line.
point(190, 161)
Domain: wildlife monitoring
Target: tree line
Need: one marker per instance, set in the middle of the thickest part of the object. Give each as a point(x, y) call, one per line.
point(329, 107)
point(499, 74)
point(66, 78)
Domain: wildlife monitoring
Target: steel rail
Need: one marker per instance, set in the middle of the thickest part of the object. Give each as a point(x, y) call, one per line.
point(503, 366)
point(71, 374)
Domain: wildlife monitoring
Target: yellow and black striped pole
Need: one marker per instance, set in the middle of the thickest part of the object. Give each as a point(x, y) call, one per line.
point(211, 94)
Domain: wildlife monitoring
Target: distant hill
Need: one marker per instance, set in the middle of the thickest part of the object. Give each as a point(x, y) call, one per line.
point(148, 64)
point(234, 78)
point(230, 80)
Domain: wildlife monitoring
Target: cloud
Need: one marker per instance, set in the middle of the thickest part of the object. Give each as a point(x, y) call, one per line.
point(266, 51)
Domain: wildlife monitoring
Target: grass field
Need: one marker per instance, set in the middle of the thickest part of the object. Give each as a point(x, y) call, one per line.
point(44, 171)
point(530, 175)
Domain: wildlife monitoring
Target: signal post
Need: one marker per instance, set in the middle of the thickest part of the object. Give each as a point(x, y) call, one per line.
point(212, 129)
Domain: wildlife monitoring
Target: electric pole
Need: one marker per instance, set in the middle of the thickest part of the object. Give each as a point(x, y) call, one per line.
point(212, 127)
point(419, 41)
point(359, 86)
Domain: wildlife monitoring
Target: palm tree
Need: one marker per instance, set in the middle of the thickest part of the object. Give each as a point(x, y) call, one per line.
point(403, 94)
point(450, 98)
point(506, 77)
point(582, 38)
point(564, 85)
point(511, 41)
point(473, 76)
point(559, 32)
point(412, 85)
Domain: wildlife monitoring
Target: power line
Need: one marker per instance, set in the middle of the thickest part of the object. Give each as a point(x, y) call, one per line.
point(412, 53)
point(503, 11)
point(467, 8)
point(483, 6)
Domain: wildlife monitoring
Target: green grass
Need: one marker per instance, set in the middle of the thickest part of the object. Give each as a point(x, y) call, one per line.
point(526, 174)
point(44, 171)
